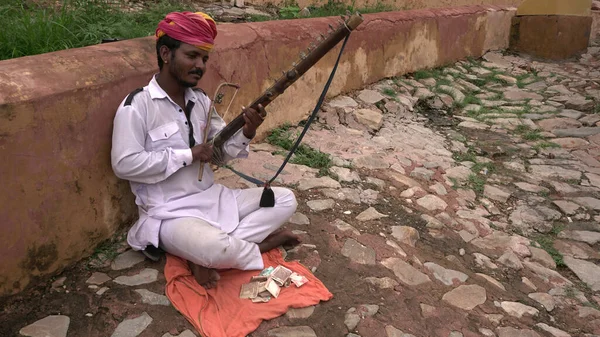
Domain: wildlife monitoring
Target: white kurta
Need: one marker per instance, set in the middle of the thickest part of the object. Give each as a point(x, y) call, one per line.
point(150, 148)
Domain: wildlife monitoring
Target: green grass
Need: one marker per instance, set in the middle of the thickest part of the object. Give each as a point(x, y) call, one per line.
point(597, 108)
point(478, 167)
point(304, 155)
point(435, 73)
point(545, 145)
point(468, 156)
point(476, 183)
point(33, 29)
point(389, 92)
point(547, 243)
point(331, 8)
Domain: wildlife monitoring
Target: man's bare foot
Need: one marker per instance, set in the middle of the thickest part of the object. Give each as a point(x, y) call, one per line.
point(279, 238)
point(205, 277)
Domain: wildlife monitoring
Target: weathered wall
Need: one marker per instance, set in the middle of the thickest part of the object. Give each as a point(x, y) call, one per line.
point(595, 34)
point(395, 4)
point(555, 7)
point(555, 37)
point(61, 197)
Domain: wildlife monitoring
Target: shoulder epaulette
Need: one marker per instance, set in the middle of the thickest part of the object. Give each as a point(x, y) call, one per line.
point(200, 90)
point(131, 95)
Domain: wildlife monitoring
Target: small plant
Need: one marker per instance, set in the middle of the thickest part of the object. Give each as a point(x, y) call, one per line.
point(476, 182)
point(545, 145)
point(532, 135)
point(304, 155)
point(488, 167)
point(389, 92)
point(547, 244)
point(468, 156)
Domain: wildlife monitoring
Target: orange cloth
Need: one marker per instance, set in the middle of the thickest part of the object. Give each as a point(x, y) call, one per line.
point(219, 312)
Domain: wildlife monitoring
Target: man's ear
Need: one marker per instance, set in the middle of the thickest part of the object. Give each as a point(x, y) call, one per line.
point(165, 53)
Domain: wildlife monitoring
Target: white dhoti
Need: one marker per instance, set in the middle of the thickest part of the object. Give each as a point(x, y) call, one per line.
point(201, 243)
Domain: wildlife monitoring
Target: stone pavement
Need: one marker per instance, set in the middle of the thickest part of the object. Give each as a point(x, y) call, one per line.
point(466, 202)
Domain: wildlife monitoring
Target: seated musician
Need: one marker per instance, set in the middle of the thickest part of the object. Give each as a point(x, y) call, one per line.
point(157, 146)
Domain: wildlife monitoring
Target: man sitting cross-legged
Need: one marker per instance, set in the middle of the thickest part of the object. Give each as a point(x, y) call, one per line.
point(157, 146)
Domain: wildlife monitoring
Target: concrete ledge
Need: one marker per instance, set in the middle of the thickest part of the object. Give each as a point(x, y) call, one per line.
point(56, 109)
point(554, 37)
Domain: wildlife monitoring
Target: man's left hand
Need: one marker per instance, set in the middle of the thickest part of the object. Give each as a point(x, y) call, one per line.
point(253, 120)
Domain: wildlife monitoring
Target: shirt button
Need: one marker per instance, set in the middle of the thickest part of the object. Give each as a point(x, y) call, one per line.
point(180, 110)
point(185, 123)
point(184, 163)
point(244, 143)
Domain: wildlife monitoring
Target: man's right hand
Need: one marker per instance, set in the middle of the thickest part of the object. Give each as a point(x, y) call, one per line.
point(202, 152)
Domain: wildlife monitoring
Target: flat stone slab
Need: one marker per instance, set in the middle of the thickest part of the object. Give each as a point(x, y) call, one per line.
point(49, 326)
point(149, 297)
point(147, 275)
point(552, 330)
point(320, 205)
point(578, 250)
point(512, 332)
point(358, 253)
point(496, 193)
point(587, 271)
point(518, 95)
point(132, 327)
point(554, 172)
point(345, 227)
point(544, 299)
point(517, 309)
point(446, 276)
point(369, 118)
point(300, 313)
point(432, 203)
point(184, 333)
point(405, 272)
point(370, 214)
point(342, 102)
point(322, 182)
point(127, 259)
point(345, 174)
point(567, 207)
point(391, 331)
point(466, 297)
point(584, 236)
point(98, 278)
point(383, 282)
point(492, 281)
point(577, 132)
point(406, 235)
point(588, 202)
point(299, 219)
point(370, 96)
point(531, 187)
point(292, 331)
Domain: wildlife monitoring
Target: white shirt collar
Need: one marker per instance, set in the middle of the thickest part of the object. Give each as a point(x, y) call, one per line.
point(157, 92)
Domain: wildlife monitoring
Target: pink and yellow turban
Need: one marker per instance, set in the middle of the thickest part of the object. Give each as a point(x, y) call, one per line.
point(197, 29)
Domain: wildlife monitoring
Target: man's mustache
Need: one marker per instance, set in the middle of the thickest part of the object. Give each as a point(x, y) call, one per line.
point(198, 72)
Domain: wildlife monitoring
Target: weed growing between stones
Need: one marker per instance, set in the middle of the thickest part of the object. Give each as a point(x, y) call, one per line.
point(476, 183)
point(304, 155)
point(547, 244)
point(389, 92)
point(545, 145)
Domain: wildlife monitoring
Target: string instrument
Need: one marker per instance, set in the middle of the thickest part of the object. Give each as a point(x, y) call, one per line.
point(307, 59)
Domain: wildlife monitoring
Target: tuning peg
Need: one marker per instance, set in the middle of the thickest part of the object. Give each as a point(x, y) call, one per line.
point(330, 26)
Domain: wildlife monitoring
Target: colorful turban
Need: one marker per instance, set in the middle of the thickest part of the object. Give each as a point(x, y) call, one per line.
point(197, 29)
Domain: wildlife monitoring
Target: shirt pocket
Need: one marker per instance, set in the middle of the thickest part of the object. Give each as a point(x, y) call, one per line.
point(165, 136)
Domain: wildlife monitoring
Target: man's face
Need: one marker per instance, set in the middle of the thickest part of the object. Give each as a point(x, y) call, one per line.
point(188, 64)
